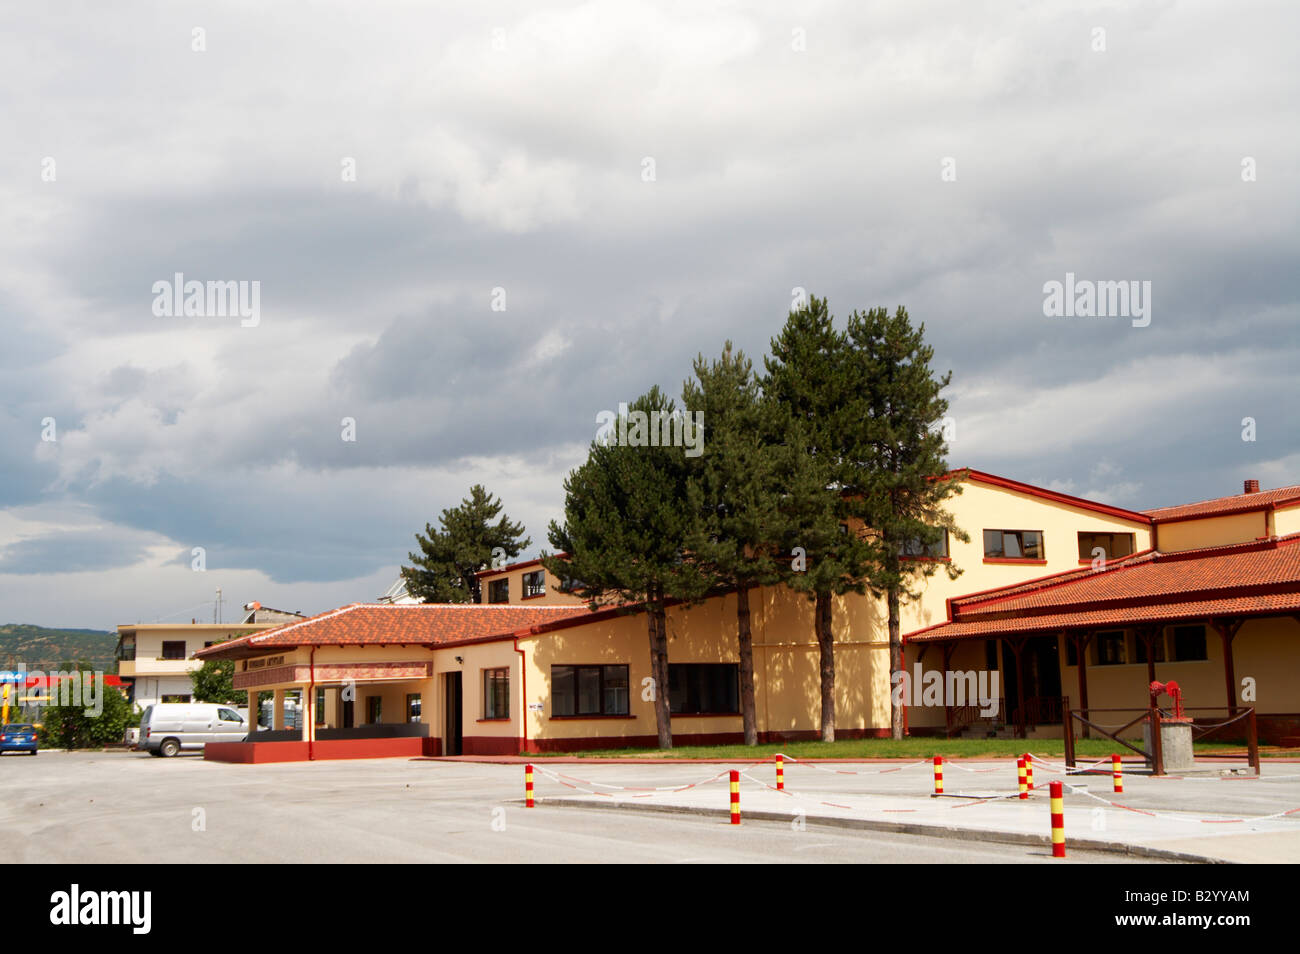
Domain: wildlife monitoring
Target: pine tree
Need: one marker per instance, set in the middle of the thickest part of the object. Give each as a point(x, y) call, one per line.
point(807, 387)
point(895, 476)
point(625, 529)
point(734, 493)
point(468, 541)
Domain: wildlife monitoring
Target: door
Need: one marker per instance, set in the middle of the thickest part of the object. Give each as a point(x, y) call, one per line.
point(452, 716)
point(346, 712)
point(229, 726)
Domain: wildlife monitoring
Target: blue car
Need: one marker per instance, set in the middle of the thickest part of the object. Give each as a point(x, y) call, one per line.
point(18, 737)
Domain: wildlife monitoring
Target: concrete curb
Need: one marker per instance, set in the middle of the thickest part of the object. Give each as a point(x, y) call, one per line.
point(905, 828)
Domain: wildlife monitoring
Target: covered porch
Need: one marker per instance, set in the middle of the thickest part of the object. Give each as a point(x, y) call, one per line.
point(1222, 623)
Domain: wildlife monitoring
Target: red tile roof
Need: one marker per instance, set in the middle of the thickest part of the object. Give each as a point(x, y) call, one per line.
point(374, 624)
point(1223, 506)
point(1259, 578)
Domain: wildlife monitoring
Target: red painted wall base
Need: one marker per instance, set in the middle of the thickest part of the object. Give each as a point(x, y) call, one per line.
point(261, 752)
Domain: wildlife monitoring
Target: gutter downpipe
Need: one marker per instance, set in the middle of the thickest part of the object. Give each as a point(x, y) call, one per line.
point(523, 689)
point(311, 715)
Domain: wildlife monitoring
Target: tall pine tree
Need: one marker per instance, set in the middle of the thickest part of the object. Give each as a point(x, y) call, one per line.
point(468, 541)
point(807, 387)
point(625, 530)
point(895, 475)
point(734, 492)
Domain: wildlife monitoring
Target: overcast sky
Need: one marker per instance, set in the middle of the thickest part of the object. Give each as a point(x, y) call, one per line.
point(643, 181)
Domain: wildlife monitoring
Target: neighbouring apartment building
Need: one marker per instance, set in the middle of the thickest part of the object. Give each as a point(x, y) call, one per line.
point(155, 659)
point(1060, 596)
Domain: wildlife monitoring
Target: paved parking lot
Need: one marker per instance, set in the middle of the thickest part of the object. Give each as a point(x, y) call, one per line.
point(128, 807)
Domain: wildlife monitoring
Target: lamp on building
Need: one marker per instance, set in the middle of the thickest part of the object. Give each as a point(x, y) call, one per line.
point(460, 660)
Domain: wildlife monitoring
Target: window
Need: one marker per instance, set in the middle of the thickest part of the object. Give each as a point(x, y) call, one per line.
point(228, 715)
point(499, 590)
point(127, 650)
point(535, 583)
point(496, 693)
point(695, 688)
point(1113, 545)
point(1157, 648)
point(374, 710)
point(173, 649)
point(413, 707)
point(1111, 650)
point(589, 691)
point(1013, 544)
point(1189, 643)
point(319, 715)
point(914, 548)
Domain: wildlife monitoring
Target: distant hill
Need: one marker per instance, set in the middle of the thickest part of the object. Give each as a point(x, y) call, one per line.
point(40, 647)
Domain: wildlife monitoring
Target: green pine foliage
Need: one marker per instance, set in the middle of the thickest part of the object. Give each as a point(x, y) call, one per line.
point(734, 495)
point(625, 531)
point(467, 541)
point(895, 475)
point(807, 387)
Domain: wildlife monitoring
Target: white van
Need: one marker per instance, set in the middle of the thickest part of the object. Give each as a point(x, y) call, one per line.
point(168, 727)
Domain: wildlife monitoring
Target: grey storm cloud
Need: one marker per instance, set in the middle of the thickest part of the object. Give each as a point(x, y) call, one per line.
point(520, 165)
point(73, 552)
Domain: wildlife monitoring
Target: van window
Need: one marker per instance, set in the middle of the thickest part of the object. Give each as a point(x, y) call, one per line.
point(228, 715)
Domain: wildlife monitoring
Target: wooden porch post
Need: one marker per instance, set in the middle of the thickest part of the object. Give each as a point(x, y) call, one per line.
point(1147, 635)
point(1081, 643)
point(948, 649)
point(1017, 646)
point(1227, 633)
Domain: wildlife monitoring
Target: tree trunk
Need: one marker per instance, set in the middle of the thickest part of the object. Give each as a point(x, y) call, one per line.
point(659, 671)
point(748, 716)
point(895, 665)
point(826, 643)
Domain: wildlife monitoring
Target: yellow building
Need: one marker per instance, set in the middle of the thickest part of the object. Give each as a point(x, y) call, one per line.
point(1207, 594)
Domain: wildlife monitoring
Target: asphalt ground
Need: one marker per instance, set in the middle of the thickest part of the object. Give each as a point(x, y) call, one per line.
point(126, 807)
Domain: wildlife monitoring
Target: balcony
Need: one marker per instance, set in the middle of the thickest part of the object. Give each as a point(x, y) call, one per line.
point(141, 666)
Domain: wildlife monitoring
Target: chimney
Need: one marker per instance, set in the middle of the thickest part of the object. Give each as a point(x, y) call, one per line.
point(1252, 487)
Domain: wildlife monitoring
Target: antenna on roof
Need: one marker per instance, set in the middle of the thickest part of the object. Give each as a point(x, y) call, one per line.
point(216, 607)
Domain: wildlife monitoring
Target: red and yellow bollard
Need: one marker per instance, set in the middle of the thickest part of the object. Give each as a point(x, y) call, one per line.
point(1029, 771)
point(1058, 820)
point(1117, 772)
point(1020, 773)
point(735, 797)
point(938, 775)
point(780, 774)
point(528, 786)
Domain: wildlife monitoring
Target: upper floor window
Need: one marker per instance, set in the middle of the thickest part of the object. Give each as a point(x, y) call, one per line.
point(499, 590)
point(1014, 544)
point(535, 583)
point(1112, 545)
point(915, 549)
point(173, 649)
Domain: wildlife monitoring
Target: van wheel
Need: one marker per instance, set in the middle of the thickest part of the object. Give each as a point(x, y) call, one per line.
point(169, 748)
